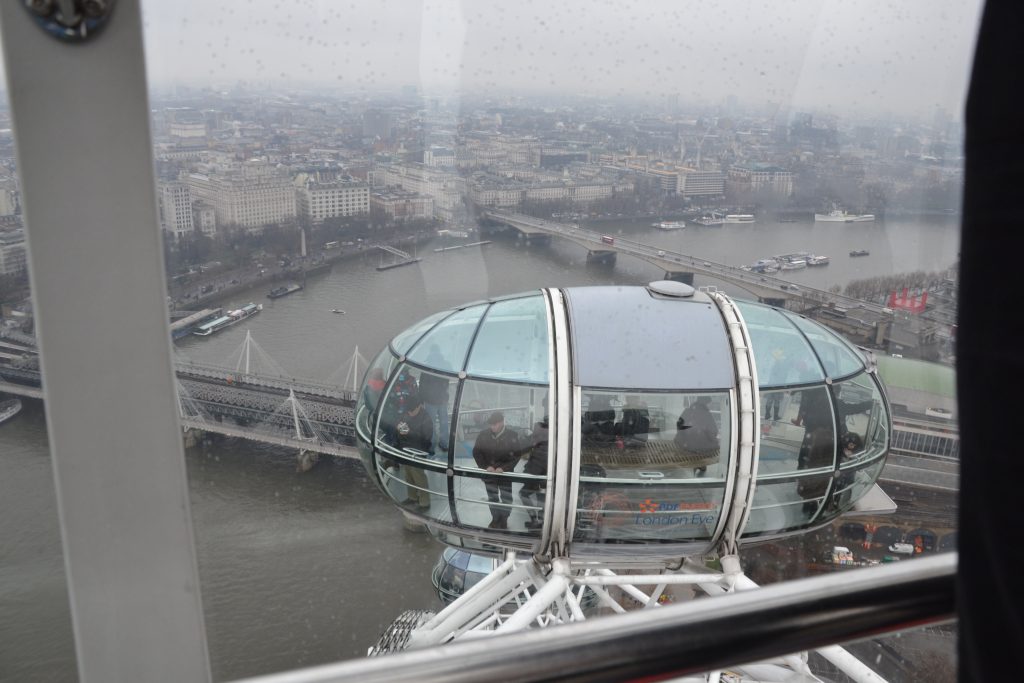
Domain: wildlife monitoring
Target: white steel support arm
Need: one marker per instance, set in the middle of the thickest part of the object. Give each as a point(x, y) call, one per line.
point(81, 122)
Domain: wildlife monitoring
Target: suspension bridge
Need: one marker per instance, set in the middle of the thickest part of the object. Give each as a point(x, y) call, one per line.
point(253, 398)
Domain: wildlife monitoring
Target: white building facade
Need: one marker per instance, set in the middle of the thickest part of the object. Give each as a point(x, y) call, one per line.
point(252, 197)
point(176, 208)
point(318, 201)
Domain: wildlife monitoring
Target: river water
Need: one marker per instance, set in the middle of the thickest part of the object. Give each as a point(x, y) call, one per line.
point(301, 569)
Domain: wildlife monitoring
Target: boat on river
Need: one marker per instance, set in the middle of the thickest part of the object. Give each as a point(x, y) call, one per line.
point(739, 218)
point(837, 216)
point(235, 316)
point(669, 225)
point(859, 252)
point(9, 409)
point(284, 290)
point(712, 219)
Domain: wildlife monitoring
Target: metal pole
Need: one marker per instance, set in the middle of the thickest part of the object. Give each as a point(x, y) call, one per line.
point(81, 122)
point(355, 370)
point(248, 345)
point(295, 413)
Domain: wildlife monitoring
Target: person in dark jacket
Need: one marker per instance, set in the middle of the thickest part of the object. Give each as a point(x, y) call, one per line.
point(697, 431)
point(414, 433)
point(396, 404)
point(635, 424)
point(533, 492)
point(497, 450)
point(818, 449)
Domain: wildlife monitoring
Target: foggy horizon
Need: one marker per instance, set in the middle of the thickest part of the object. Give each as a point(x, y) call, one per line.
point(905, 58)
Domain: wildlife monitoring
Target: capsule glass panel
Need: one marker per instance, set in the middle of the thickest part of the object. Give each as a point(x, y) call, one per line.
point(804, 441)
point(407, 339)
point(512, 343)
point(782, 353)
point(501, 454)
point(445, 346)
point(863, 427)
point(408, 464)
point(369, 397)
point(786, 504)
point(652, 465)
point(851, 484)
point(838, 357)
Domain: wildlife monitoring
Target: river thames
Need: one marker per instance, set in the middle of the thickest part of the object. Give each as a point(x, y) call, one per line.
point(302, 569)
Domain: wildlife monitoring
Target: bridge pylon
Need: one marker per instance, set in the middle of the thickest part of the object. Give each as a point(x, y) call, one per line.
point(603, 257)
point(250, 359)
point(352, 377)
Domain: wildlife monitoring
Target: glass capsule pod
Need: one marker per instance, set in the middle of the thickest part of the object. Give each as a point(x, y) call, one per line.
point(621, 421)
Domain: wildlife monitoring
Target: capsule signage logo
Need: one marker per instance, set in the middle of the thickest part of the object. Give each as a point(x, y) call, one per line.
point(649, 506)
point(664, 513)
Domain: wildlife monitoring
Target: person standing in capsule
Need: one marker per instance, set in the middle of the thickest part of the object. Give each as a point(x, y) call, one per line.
point(497, 450)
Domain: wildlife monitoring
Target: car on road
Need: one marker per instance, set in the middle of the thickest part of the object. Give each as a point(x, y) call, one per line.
point(706, 264)
point(661, 253)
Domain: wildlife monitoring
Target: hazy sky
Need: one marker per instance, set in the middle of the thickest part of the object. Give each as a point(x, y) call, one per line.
point(868, 56)
point(871, 55)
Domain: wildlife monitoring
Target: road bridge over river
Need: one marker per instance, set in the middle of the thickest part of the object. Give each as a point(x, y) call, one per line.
point(679, 266)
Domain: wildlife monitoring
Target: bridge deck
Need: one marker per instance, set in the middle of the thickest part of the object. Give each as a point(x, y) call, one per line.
point(759, 285)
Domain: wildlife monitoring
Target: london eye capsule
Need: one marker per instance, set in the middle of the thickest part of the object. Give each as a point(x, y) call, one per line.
point(649, 422)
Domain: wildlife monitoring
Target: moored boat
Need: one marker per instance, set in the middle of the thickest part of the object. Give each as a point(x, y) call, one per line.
point(9, 409)
point(739, 218)
point(818, 261)
point(837, 216)
point(712, 219)
point(284, 290)
point(228, 320)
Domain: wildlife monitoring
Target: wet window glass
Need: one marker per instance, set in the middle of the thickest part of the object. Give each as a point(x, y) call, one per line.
point(307, 153)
